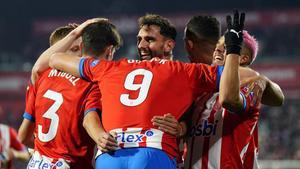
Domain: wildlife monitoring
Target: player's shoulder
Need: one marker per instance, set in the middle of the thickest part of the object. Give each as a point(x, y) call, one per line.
point(246, 72)
point(45, 73)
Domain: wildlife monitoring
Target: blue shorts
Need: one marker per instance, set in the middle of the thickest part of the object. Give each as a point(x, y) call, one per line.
point(136, 158)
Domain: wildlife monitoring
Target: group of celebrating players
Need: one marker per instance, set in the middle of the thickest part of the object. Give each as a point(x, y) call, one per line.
point(138, 112)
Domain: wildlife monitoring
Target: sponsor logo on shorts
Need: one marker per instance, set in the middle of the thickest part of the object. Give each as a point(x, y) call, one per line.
point(42, 163)
point(126, 137)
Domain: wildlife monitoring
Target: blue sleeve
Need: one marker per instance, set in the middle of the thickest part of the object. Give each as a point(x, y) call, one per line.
point(244, 101)
point(219, 73)
point(81, 68)
point(28, 117)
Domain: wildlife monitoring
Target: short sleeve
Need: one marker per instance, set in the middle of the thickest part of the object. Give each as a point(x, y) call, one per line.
point(90, 68)
point(29, 113)
point(93, 100)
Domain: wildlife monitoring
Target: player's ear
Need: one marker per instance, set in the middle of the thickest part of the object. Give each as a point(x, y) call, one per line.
point(189, 44)
point(110, 51)
point(244, 59)
point(169, 45)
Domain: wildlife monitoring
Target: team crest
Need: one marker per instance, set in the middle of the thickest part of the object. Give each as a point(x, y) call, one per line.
point(94, 63)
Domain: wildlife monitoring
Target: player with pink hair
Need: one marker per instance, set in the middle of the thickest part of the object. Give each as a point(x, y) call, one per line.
point(224, 135)
point(251, 44)
point(248, 54)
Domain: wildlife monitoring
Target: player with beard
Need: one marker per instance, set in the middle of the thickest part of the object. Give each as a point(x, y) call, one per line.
point(156, 37)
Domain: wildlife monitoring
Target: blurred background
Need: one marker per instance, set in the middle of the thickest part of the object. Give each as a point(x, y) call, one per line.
point(25, 26)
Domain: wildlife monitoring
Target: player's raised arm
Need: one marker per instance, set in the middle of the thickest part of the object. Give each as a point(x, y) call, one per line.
point(230, 97)
point(61, 46)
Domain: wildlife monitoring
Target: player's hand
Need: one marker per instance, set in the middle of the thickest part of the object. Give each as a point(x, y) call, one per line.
point(78, 30)
point(168, 124)
point(107, 142)
point(234, 33)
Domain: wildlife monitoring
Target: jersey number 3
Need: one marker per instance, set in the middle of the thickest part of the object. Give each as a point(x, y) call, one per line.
point(143, 87)
point(51, 114)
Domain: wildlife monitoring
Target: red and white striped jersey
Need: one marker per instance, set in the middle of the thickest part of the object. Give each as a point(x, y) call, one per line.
point(220, 139)
point(134, 91)
point(251, 156)
point(8, 139)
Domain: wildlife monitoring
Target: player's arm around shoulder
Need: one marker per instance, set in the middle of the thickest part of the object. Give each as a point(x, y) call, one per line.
point(272, 93)
point(65, 62)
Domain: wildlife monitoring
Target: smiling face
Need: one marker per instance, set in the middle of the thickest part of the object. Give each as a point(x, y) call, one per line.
point(219, 53)
point(150, 42)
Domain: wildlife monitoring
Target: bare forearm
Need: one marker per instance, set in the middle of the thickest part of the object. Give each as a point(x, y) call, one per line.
point(229, 85)
point(25, 133)
point(273, 95)
point(93, 125)
point(65, 62)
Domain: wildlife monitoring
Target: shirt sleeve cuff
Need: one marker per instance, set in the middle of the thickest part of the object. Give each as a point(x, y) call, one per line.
point(28, 117)
point(81, 68)
point(219, 73)
point(92, 109)
point(244, 101)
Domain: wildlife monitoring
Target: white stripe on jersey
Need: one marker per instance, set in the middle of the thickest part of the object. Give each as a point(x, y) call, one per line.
point(4, 144)
point(255, 161)
point(215, 143)
point(196, 142)
point(5, 137)
point(244, 150)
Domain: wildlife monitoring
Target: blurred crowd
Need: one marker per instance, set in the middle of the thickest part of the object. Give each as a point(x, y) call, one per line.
point(279, 131)
point(275, 44)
